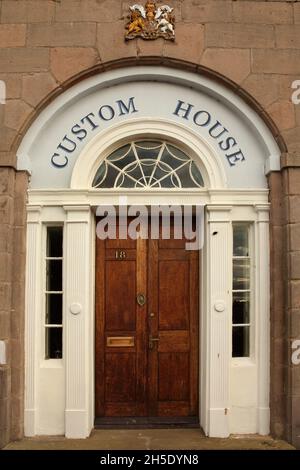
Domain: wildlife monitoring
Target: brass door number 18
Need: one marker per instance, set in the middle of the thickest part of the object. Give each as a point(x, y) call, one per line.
point(120, 254)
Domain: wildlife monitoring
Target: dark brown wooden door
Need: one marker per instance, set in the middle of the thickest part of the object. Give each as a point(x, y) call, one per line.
point(146, 355)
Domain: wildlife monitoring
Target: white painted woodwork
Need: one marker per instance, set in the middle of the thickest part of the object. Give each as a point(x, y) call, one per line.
point(263, 318)
point(32, 320)
point(219, 267)
point(76, 334)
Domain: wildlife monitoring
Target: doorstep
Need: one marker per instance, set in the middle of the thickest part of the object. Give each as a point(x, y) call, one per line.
point(149, 439)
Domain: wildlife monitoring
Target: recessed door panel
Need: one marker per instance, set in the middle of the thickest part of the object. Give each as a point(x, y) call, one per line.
point(173, 288)
point(120, 379)
point(173, 376)
point(120, 292)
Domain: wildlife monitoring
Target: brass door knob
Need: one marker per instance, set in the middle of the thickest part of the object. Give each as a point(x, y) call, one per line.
point(141, 299)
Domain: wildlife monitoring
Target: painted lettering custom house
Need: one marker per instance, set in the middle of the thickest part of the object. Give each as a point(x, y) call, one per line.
point(92, 122)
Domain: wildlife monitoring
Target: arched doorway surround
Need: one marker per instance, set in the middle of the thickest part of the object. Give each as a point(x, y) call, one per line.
point(62, 150)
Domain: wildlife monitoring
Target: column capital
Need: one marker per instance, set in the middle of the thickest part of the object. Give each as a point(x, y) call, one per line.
point(263, 212)
point(218, 213)
point(77, 213)
point(34, 213)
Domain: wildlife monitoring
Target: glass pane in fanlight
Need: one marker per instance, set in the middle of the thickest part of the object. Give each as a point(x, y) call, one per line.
point(161, 171)
point(169, 160)
point(167, 182)
point(148, 166)
point(126, 182)
point(148, 150)
point(124, 161)
point(176, 153)
point(134, 171)
point(100, 175)
point(196, 175)
point(185, 177)
point(119, 153)
point(109, 180)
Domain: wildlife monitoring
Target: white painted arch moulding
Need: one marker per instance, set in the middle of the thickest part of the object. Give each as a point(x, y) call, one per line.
point(105, 142)
point(157, 74)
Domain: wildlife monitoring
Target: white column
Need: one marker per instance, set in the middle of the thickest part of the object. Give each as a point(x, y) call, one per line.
point(32, 319)
point(263, 317)
point(219, 272)
point(77, 316)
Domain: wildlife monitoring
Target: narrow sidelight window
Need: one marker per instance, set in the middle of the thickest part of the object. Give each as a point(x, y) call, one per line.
point(54, 292)
point(241, 291)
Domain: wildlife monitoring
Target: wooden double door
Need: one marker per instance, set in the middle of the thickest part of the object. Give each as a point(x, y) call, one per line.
point(147, 295)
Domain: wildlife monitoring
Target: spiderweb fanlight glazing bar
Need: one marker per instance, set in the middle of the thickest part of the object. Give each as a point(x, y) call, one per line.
point(148, 164)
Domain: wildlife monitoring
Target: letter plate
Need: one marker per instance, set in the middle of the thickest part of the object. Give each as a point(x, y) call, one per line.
point(120, 341)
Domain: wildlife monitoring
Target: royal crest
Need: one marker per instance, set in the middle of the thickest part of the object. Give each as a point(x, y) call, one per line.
point(151, 22)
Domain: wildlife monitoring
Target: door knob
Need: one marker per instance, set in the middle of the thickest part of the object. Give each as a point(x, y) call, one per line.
point(152, 341)
point(141, 299)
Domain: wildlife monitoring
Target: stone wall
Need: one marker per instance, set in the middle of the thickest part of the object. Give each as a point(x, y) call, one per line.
point(12, 286)
point(291, 188)
point(45, 45)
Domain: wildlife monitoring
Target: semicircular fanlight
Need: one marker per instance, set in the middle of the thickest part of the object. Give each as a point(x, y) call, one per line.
point(148, 164)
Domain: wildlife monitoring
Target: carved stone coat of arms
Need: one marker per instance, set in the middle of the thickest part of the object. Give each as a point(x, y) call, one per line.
point(151, 22)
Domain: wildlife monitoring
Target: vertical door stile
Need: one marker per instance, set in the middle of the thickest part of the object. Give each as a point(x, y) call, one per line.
point(141, 328)
point(153, 316)
point(100, 328)
point(194, 331)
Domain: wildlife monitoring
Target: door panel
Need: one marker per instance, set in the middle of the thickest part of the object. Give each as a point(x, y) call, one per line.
point(146, 355)
point(173, 304)
point(173, 359)
point(120, 315)
point(176, 340)
point(120, 383)
point(173, 386)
